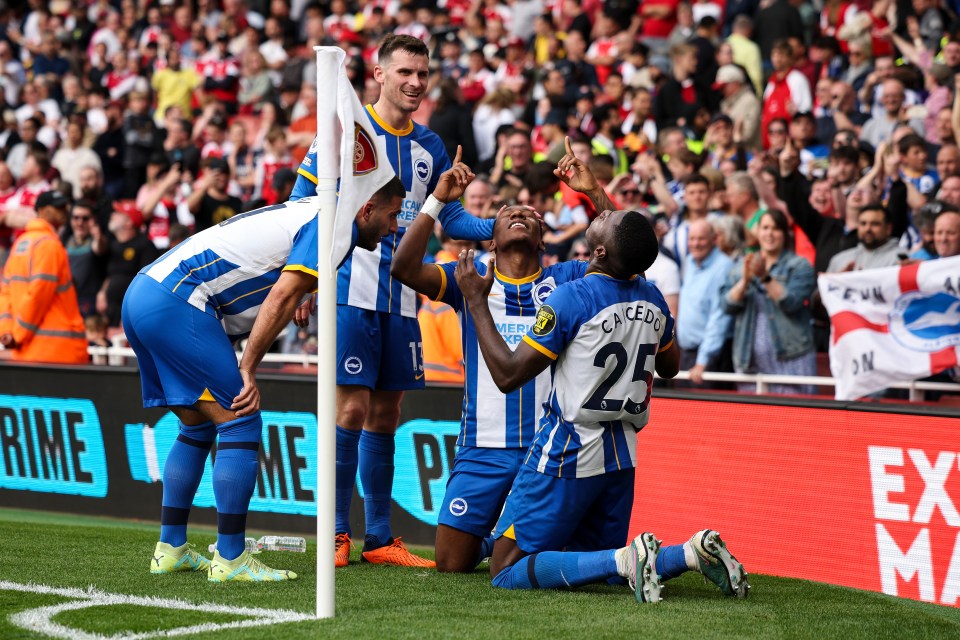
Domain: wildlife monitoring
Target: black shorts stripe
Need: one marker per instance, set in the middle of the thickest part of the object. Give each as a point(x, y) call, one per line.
point(231, 523)
point(199, 444)
point(174, 515)
point(532, 571)
point(250, 446)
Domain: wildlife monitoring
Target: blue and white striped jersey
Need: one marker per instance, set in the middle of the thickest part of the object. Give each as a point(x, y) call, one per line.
point(418, 157)
point(604, 335)
point(491, 418)
point(228, 270)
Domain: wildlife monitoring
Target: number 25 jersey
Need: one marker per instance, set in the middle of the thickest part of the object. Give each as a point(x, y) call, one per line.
point(604, 335)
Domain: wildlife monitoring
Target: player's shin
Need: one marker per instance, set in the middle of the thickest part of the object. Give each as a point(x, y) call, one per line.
point(376, 475)
point(556, 569)
point(347, 455)
point(234, 479)
point(181, 477)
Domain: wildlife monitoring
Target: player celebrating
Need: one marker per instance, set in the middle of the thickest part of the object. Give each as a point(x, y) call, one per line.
point(495, 429)
point(181, 315)
point(379, 350)
point(575, 489)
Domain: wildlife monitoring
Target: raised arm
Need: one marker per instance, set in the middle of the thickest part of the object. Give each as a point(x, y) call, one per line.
point(509, 369)
point(578, 177)
point(407, 265)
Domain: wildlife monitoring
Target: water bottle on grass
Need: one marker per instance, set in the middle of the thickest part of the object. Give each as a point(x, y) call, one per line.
point(271, 543)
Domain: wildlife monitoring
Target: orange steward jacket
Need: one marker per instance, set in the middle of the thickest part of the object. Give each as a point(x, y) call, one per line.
point(442, 347)
point(38, 304)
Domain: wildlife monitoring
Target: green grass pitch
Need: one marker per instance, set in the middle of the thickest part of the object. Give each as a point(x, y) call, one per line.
point(385, 602)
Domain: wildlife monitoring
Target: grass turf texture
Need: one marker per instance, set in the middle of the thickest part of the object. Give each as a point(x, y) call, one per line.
point(388, 602)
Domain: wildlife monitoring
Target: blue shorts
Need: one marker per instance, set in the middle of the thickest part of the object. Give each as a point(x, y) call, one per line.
point(184, 354)
point(479, 483)
point(547, 513)
point(378, 350)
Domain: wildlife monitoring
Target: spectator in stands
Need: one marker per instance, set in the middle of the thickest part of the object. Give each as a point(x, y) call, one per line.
point(520, 153)
point(744, 201)
point(679, 98)
point(453, 122)
point(913, 152)
point(946, 234)
point(768, 293)
point(477, 199)
point(840, 113)
point(702, 323)
point(141, 137)
point(20, 207)
point(880, 127)
point(924, 219)
point(740, 104)
point(746, 53)
point(696, 198)
point(91, 189)
point(209, 202)
point(87, 248)
point(17, 155)
point(875, 248)
point(130, 251)
point(174, 85)
point(787, 91)
point(39, 317)
point(948, 162)
point(74, 156)
point(179, 148)
point(110, 146)
point(606, 139)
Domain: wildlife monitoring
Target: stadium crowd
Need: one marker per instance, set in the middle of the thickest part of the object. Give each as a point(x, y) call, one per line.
point(765, 141)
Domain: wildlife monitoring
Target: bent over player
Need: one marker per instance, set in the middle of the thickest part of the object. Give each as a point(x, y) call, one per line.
point(379, 348)
point(181, 315)
point(603, 336)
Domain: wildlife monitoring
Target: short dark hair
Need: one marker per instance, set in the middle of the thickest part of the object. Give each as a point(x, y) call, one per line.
point(84, 204)
point(697, 178)
point(603, 112)
point(845, 154)
point(635, 242)
point(877, 206)
point(393, 43)
point(910, 141)
point(393, 189)
point(783, 46)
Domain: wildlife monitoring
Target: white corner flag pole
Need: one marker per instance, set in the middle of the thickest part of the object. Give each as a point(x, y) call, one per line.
point(328, 169)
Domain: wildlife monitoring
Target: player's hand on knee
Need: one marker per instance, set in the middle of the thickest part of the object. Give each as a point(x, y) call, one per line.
point(247, 401)
point(301, 317)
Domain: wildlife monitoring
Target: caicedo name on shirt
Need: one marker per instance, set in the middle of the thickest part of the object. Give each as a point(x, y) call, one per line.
point(639, 312)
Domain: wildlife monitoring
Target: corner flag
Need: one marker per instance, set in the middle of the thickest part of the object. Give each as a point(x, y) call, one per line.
point(364, 167)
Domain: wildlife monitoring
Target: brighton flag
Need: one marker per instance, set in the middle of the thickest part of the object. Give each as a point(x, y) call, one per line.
point(364, 166)
point(891, 325)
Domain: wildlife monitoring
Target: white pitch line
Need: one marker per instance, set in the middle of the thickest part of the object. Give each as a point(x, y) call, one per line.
point(40, 619)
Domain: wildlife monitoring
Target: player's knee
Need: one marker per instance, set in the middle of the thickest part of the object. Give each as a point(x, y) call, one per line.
point(352, 415)
point(383, 419)
point(448, 562)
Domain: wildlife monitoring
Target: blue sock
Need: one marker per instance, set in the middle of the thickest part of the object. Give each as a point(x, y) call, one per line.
point(347, 442)
point(486, 549)
point(558, 569)
point(181, 477)
point(376, 476)
point(234, 479)
point(671, 562)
